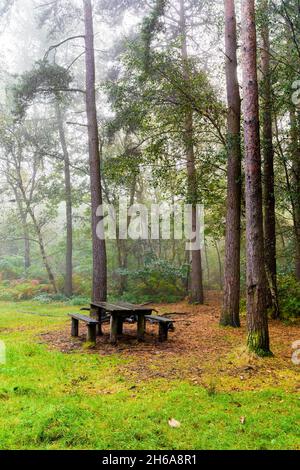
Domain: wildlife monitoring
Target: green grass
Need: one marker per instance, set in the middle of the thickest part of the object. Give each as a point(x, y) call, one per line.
point(51, 400)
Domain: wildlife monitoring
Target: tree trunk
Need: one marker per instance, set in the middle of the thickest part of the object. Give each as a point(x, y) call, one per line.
point(27, 257)
point(257, 319)
point(206, 261)
point(23, 216)
point(42, 248)
point(268, 158)
point(295, 186)
point(196, 292)
point(219, 264)
point(99, 249)
point(230, 315)
point(68, 287)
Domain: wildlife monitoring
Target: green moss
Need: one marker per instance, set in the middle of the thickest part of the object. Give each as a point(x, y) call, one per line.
point(258, 344)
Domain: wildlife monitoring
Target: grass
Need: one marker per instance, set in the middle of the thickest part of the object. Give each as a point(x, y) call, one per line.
point(52, 400)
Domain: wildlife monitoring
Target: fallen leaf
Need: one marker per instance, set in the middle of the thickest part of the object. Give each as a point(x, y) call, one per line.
point(173, 423)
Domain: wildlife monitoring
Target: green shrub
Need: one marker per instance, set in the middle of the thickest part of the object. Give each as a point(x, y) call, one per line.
point(157, 281)
point(11, 267)
point(21, 290)
point(79, 300)
point(289, 296)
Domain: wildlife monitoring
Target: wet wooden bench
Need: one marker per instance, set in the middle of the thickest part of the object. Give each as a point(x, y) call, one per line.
point(165, 325)
point(91, 326)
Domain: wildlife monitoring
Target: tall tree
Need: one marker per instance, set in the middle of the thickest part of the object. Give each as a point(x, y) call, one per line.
point(231, 303)
point(68, 287)
point(99, 290)
point(268, 162)
point(295, 182)
point(196, 278)
point(257, 318)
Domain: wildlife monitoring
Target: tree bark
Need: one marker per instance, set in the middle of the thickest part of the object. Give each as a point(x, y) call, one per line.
point(230, 315)
point(68, 287)
point(23, 216)
point(257, 318)
point(99, 290)
point(196, 292)
point(295, 185)
point(219, 264)
point(41, 245)
point(268, 159)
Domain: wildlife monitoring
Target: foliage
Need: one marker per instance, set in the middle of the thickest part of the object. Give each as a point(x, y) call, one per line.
point(158, 280)
point(44, 79)
point(289, 296)
point(22, 290)
point(11, 267)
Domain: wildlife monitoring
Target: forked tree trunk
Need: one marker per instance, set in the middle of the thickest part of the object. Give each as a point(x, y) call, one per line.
point(42, 247)
point(99, 292)
point(257, 319)
point(268, 158)
point(196, 292)
point(231, 303)
point(68, 287)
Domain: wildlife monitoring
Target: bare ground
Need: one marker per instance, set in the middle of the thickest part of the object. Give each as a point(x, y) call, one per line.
point(199, 351)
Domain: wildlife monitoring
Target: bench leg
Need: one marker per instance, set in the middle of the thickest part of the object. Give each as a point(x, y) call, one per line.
point(141, 328)
point(113, 328)
point(91, 334)
point(163, 332)
point(75, 327)
point(97, 313)
point(120, 326)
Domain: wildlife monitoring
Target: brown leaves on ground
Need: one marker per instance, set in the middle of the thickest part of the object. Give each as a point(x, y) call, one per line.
point(199, 350)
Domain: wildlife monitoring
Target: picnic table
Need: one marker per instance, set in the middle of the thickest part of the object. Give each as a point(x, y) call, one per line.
point(118, 313)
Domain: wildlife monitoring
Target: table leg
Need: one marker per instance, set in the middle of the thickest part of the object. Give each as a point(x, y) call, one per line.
point(91, 334)
point(97, 314)
point(113, 328)
point(141, 327)
point(120, 326)
point(100, 314)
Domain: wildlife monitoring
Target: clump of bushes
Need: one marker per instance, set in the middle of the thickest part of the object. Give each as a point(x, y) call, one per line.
point(157, 281)
point(22, 290)
point(289, 296)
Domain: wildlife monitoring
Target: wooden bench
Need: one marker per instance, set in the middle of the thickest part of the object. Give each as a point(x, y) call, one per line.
point(91, 326)
point(165, 324)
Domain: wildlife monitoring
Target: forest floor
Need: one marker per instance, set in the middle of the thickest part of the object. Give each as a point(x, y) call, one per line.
point(57, 392)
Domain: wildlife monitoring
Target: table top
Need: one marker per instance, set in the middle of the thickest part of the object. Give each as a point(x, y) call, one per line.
point(122, 307)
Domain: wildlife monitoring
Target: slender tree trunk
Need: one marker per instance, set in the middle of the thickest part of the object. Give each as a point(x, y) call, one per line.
point(231, 303)
point(295, 186)
point(206, 261)
point(196, 281)
point(68, 287)
point(42, 248)
point(219, 264)
point(99, 248)
point(257, 318)
point(24, 217)
point(27, 257)
point(268, 158)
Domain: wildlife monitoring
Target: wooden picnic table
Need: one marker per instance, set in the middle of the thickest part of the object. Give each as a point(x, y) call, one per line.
point(119, 312)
